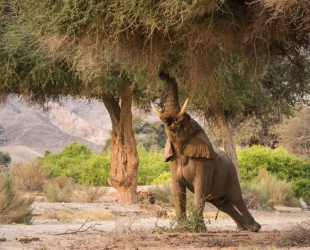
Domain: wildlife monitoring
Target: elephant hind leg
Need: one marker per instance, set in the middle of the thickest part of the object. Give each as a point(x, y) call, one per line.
point(249, 221)
point(228, 208)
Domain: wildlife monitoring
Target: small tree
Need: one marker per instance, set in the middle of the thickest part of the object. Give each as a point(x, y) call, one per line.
point(5, 159)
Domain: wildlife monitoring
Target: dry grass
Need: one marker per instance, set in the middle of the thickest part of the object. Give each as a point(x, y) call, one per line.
point(298, 235)
point(69, 215)
point(268, 190)
point(29, 177)
point(13, 207)
point(87, 194)
point(59, 189)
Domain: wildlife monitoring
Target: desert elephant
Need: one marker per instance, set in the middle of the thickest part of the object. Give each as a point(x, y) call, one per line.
point(208, 173)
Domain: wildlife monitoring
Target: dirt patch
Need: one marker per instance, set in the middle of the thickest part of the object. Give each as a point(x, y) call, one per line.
point(109, 225)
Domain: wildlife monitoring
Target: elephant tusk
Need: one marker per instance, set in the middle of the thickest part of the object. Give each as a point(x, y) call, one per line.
point(181, 113)
point(157, 111)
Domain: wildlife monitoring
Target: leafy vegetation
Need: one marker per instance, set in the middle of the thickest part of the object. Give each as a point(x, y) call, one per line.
point(13, 207)
point(151, 166)
point(78, 162)
point(5, 159)
point(280, 163)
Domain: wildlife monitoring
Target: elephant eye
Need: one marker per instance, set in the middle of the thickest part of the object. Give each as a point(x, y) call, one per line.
point(170, 120)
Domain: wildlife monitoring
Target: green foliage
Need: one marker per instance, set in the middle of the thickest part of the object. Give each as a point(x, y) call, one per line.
point(70, 162)
point(5, 158)
point(13, 207)
point(77, 161)
point(279, 162)
point(96, 170)
point(163, 178)
point(301, 188)
point(151, 166)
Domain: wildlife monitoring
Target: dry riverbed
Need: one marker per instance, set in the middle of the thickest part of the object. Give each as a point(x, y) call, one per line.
point(109, 225)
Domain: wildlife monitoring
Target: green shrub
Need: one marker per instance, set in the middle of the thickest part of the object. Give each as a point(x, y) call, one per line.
point(5, 159)
point(59, 189)
point(13, 207)
point(69, 162)
point(96, 170)
point(279, 162)
point(301, 188)
point(30, 176)
point(151, 166)
point(77, 161)
point(163, 178)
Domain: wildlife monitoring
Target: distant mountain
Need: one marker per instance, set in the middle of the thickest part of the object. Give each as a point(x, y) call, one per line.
point(27, 131)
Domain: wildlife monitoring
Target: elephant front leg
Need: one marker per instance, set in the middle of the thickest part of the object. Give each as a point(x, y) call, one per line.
point(179, 199)
point(197, 213)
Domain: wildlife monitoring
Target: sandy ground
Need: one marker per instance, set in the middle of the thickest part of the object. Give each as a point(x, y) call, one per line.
point(109, 225)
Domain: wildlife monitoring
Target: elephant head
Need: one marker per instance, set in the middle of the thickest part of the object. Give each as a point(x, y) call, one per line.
point(181, 129)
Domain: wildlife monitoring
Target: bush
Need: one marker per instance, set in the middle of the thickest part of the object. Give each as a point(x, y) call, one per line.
point(96, 170)
point(59, 189)
point(163, 178)
point(30, 177)
point(5, 159)
point(162, 193)
point(86, 193)
point(77, 161)
point(279, 162)
point(13, 208)
point(69, 162)
point(151, 166)
point(301, 188)
point(271, 191)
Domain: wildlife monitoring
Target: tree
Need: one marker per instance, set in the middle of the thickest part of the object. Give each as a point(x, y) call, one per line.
point(295, 133)
point(216, 50)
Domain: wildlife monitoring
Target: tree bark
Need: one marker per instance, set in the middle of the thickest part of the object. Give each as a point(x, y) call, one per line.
point(124, 160)
point(228, 142)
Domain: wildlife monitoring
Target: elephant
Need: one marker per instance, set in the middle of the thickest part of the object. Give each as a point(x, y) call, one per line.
point(196, 165)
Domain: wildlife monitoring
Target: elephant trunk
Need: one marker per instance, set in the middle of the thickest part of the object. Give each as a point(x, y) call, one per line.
point(172, 107)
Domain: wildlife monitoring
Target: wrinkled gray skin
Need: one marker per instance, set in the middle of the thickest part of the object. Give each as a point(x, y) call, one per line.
point(208, 173)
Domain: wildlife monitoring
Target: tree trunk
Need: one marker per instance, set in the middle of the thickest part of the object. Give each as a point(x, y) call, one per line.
point(228, 142)
point(124, 160)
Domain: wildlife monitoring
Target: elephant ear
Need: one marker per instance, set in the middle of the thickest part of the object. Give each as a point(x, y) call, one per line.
point(198, 146)
point(168, 151)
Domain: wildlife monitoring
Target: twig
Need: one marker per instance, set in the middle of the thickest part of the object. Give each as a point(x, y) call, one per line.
point(70, 231)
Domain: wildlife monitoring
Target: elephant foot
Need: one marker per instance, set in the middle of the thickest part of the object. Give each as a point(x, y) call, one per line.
point(255, 227)
point(187, 226)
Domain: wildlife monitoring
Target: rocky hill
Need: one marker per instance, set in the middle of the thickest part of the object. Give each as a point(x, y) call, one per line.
point(26, 132)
